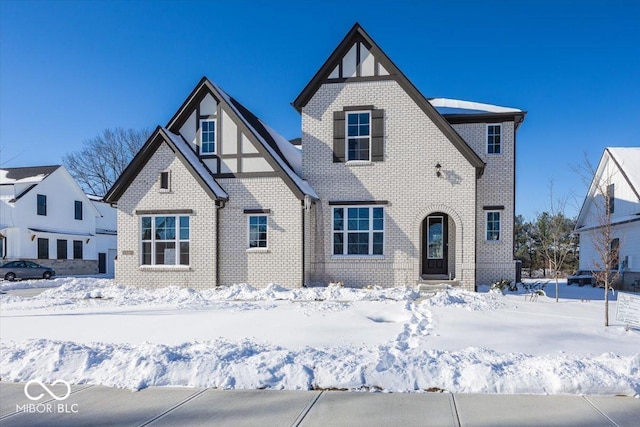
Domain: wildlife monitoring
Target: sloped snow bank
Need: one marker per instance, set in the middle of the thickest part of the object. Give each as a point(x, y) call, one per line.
point(249, 365)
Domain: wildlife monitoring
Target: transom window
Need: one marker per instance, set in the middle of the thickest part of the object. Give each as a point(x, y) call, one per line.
point(358, 135)
point(257, 231)
point(494, 139)
point(358, 230)
point(207, 137)
point(165, 240)
point(493, 225)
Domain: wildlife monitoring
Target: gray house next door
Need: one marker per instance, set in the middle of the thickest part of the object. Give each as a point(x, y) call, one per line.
point(435, 244)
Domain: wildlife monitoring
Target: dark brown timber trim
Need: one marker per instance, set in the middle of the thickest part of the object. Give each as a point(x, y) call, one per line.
point(357, 202)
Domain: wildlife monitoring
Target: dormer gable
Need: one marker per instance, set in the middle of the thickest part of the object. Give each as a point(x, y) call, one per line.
point(359, 58)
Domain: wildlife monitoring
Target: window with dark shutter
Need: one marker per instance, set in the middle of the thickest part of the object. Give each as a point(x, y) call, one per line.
point(377, 135)
point(338, 136)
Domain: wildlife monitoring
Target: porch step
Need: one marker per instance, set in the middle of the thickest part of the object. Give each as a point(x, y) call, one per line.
point(435, 285)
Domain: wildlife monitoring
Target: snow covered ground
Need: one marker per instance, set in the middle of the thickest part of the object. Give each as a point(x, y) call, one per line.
point(86, 330)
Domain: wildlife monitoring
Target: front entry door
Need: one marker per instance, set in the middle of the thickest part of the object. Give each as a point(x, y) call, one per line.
point(435, 245)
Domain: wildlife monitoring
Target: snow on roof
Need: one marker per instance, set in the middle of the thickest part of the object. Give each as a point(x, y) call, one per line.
point(289, 156)
point(457, 106)
point(193, 159)
point(26, 175)
point(629, 160)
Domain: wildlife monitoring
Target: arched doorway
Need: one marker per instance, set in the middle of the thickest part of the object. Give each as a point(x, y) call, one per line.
point(435, 245)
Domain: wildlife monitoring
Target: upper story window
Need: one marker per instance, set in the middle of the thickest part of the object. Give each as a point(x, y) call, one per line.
point(358, 231)
point(165, 240)
point(165, 183)
point(258, 231)
point(207, 136)
point(358, 135)
point(42, 204)
point(493, 225)
point(611, 197)
point(494, 139)
point(77, 208)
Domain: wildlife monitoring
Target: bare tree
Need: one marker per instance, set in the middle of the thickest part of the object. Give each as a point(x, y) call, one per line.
point(103, 158)
point(600, 231)
point(554, 232)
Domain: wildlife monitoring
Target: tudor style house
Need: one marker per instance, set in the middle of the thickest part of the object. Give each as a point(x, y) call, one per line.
point(388, 187)
point(613, 198)
point(46, 217)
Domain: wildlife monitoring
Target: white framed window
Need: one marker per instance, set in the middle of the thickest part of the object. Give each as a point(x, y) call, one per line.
point(208, 136)
point(358, 230)
point(358, 133)
point(257, 226)
point(493, 225)
point(494, 139)
point(164, 240)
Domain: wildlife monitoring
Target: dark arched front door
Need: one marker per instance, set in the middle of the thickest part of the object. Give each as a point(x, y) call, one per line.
point(435, 240)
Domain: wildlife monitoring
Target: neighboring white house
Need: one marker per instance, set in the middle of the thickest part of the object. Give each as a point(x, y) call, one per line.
point(46, 217)
point(389, 187)
point(618, 177)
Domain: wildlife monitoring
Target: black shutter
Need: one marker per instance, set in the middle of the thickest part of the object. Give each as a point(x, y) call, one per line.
point(338, 136)
point(377, 135)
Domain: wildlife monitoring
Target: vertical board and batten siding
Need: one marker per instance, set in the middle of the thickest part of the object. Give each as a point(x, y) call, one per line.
point(405, 178)
point(494, 259)
point(144, 193)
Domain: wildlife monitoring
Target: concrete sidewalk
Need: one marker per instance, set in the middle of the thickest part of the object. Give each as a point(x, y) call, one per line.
point(170, 406)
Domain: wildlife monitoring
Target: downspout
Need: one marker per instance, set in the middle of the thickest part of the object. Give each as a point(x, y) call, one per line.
point(219, 205)
point(303, 241)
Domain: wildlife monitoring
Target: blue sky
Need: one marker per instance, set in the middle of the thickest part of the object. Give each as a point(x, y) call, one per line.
point(70, 69)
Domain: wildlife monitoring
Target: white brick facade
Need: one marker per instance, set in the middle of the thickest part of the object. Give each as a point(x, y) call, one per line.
point(406, 178)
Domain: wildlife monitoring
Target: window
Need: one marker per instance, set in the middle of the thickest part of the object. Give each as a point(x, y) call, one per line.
point(77, 249)
point(360, 233)
point(493, 225)
point(165, 240)
point(611, 197)
point(257, 231)
point(78, 210)
point(358, 135)
point(42, 204)
point(164, 181)
point(43, 248)
point(614, 251)
point(207, 137)
point(493, 139)
point(62, 249)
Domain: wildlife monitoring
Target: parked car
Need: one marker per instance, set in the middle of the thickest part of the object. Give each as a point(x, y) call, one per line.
point(581, 278)
point(25, 270)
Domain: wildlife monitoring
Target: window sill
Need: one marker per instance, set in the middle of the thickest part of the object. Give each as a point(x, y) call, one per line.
point(359, 163)
point(353, 257)
point(493, 242)
point(165, 268)
point(258, 250)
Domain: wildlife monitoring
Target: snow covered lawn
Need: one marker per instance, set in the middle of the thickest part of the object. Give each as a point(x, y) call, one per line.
point(91, 331)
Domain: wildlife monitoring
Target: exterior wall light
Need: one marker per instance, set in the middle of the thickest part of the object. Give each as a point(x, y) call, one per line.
point(438, 173)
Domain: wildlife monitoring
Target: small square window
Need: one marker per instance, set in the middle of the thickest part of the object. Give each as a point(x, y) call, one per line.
point(494, 142)
point(207, 137)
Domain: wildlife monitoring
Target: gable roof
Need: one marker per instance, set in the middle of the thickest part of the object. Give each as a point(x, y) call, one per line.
point(627, 161)
point(179, 146)
point(278, 150)
point(26, 174)
point(357, 34)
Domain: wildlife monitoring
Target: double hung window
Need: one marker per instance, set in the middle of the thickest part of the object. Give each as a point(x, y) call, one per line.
point(358, 230)
point(359, 135)
point(494, 143)
point(257, 231)
point(207, 137)
point(493, 225)
point(165, 240)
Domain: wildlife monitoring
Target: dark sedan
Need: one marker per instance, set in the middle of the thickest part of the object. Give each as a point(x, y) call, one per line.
point(25, 270)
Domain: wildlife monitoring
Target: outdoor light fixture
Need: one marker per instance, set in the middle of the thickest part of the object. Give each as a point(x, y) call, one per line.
point(438, 173)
